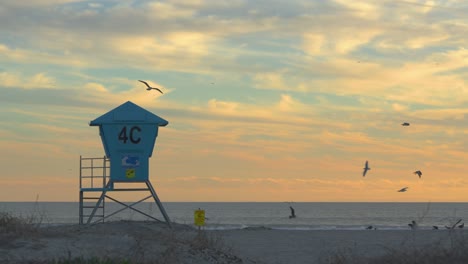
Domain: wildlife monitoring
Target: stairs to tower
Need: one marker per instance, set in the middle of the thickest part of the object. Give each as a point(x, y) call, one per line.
point(94, 176)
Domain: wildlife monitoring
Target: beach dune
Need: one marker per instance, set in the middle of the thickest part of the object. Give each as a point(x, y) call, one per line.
point(320, 246)
point(152, 242)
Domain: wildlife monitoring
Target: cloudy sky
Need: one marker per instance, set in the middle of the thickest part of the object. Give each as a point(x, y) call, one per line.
point(266, 100)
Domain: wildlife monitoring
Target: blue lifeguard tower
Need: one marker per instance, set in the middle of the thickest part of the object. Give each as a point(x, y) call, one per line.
point(128, 134)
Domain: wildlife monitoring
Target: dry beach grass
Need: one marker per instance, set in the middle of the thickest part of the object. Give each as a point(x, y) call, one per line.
point(113, 242)
point(449, 247)
point(24, 241)
point(349, 246)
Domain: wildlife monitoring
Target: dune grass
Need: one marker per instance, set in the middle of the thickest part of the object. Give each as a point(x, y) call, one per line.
point(453, 249)
point(179, 244)
point(14, 225)
point(90, 261)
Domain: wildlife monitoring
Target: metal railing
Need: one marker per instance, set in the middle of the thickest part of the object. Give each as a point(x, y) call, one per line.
point(94, 175)
point(94, 172)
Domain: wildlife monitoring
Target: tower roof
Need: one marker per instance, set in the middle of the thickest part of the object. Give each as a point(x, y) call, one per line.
point(129, 112)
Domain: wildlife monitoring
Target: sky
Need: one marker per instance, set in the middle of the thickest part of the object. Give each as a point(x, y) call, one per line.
point(267, 101)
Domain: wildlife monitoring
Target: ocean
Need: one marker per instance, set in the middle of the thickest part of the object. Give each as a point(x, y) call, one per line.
point(274, 215)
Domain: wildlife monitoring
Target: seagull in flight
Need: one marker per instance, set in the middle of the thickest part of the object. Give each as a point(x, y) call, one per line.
point(454, 225)
point(419, 173)
point(293, 214)
point(366, 168)
point(403, 189)
point(405, 124)
point(149, 87)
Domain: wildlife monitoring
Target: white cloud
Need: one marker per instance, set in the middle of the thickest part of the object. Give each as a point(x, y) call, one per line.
point(95, 5)
point(442, 114)
point(338, 41)
point(270, 80)
point(363, 9)
point(100, 94)
point(399, 107)
point(313, 43)
point(42, 80)
point(38, 2)
point(39, 80)
point(95, 88)
point(166, 10)
point(289, 104)
point(223, 107)
point(31, 56)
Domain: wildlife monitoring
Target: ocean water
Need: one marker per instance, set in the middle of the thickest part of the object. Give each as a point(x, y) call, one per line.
point(232, 215)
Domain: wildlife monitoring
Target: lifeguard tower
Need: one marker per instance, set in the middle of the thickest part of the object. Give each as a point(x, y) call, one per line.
point(128, 134)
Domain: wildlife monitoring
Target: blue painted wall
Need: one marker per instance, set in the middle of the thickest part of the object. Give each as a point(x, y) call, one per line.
point(128, 134)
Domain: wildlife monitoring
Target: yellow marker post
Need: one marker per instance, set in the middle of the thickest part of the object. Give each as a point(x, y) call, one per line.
point(199, 217)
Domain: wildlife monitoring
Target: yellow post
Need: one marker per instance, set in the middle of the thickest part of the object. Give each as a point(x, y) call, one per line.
point(199, 218)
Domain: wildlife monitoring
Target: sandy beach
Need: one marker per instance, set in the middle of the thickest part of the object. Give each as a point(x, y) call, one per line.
point(152, 242)
point(286, 246)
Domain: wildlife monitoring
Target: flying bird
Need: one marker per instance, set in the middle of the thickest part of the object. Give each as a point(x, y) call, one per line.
point(413, 225)
point(454, 225)
point(418, 172)
point(403, 189)
point(293, 214)
point(405, 124)
point(366, 168)
point(149, 87)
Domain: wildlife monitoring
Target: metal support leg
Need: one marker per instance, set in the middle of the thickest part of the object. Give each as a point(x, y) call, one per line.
point(101, 198)
point(81, 208)
point(126, 206)
point(158, 202)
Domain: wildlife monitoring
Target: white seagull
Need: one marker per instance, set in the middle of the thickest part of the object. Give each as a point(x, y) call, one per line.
point(403, 189)
point(149, 87)
point(366, 168)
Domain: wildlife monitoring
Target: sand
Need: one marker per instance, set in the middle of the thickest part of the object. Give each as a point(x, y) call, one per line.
point(152, 242)
point(286, 246)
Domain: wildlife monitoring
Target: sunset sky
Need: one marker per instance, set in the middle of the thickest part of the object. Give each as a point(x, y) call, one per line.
point(266, 100)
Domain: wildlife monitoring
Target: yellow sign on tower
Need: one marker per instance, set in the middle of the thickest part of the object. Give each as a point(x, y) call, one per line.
point(130, 173)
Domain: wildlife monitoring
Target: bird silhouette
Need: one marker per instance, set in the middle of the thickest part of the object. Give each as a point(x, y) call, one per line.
point(149, 87)
point(405, 124)
point(418, 172)
point(403, 189)
point(454, 225)
point(293, 214)
point(413, 225)
point(366, 168)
